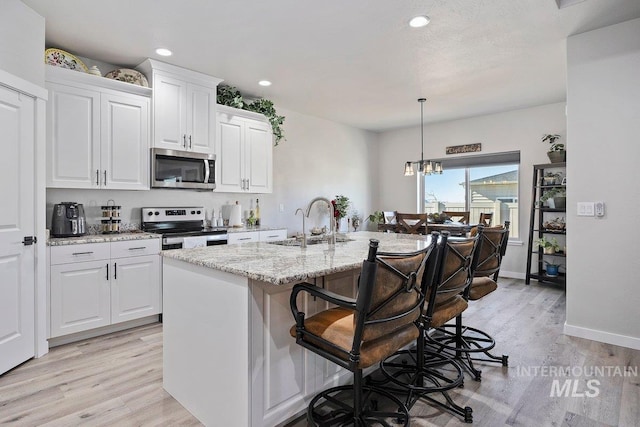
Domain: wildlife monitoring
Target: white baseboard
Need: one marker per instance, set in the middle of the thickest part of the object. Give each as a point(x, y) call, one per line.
point(601, 336)
point(512, 275)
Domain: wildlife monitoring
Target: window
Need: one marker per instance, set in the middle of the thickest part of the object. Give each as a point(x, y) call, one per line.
point(483, 183)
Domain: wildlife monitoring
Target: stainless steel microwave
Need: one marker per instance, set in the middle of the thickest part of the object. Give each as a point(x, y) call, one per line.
point(182, 169)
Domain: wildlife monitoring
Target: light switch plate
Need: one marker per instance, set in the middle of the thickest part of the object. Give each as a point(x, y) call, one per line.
point(599, 209)
point(586, 209)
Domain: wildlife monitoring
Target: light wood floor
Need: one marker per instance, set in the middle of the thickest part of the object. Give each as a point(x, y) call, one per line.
point(116, 380)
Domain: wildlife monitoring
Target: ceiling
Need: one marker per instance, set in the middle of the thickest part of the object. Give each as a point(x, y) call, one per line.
point(356, 62)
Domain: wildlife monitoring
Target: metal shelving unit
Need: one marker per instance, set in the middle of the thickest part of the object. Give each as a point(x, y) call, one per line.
point(536, 256)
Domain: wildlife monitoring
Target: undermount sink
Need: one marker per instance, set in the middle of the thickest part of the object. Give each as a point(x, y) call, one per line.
point(310, 241)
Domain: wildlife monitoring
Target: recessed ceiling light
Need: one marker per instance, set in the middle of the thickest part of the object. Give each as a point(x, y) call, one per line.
point(419, 21)
point(264, 83)
point(163, 52)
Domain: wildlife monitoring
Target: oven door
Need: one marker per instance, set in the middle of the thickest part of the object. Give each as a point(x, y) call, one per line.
point(182, 169)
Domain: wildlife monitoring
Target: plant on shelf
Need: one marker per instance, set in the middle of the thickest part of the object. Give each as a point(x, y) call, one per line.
point(549, 246)
point(555, 198)
point(231, 97)
point(552, 268)
point(557, 152)
point(551, 178)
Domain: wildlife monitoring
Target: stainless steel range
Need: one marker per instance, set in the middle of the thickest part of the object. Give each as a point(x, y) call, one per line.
point(182, 227)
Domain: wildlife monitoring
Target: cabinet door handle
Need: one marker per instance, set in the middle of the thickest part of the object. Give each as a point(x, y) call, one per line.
point(107, 271)
point(247, 183)
point(115, 271)
point(137, 248)
point(184, 140)
point(82, 253)
point(97, 177)
point(244, 238)
point(105, 177)
point(189, 142)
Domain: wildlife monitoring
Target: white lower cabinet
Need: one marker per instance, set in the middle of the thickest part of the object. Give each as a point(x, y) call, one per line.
point(273, 235)
point(134, 289)
point(286, 376)
point(79, 297)
point(100, 284)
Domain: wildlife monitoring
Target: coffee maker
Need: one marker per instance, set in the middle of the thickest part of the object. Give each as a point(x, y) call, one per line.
point(68, 220)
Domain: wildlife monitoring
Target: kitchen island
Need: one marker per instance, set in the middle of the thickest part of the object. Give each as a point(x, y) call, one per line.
point(228, 356)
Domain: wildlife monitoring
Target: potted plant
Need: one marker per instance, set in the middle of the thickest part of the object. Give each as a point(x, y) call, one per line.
point(231, 96)
point(549, 246)
point(556, 153)
point(552, 268)
point(555, 198)
point(551, 178)
point(377, 217)
point(340, 207)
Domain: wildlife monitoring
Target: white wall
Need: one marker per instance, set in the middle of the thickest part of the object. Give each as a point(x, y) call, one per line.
point(319, 158)
point(603, 124)
point(21, 41)
point(513, 130)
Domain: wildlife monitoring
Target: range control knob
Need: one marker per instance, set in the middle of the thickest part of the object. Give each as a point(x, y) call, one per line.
point(198, 212)
point(149, 213)
point(156, 213)
point(193, 212)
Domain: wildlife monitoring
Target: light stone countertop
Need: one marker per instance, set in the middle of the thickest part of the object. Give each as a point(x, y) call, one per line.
point(101, 238)
point(279, 265)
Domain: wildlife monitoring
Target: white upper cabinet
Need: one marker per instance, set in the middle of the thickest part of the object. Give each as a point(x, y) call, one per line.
point(97, 132)
point(244, 148)
point(184, 105)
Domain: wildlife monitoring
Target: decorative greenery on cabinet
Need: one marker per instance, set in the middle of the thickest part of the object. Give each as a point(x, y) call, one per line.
point(231, 96)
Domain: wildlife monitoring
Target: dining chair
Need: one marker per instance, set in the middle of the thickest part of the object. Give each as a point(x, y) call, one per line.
point(357, 333)
point(409, 223)
point(421, 373)
point(458, 216)
point(389, 217)
point(465, 342)
point(485, 218)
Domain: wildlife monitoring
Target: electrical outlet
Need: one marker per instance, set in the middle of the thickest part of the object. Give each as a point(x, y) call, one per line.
point(599, 209)
point(281, 207)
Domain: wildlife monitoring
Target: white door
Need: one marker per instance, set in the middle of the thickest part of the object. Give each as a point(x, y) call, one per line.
point(135, 287)
point(17, 281)
point(230, 154)
point(73, 137)
point(125, 142)
point(201, 118)
point(80, 298)
point(169, 103)
point(259, 149)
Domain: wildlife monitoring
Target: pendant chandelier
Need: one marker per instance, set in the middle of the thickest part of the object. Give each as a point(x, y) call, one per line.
point(425, 167)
